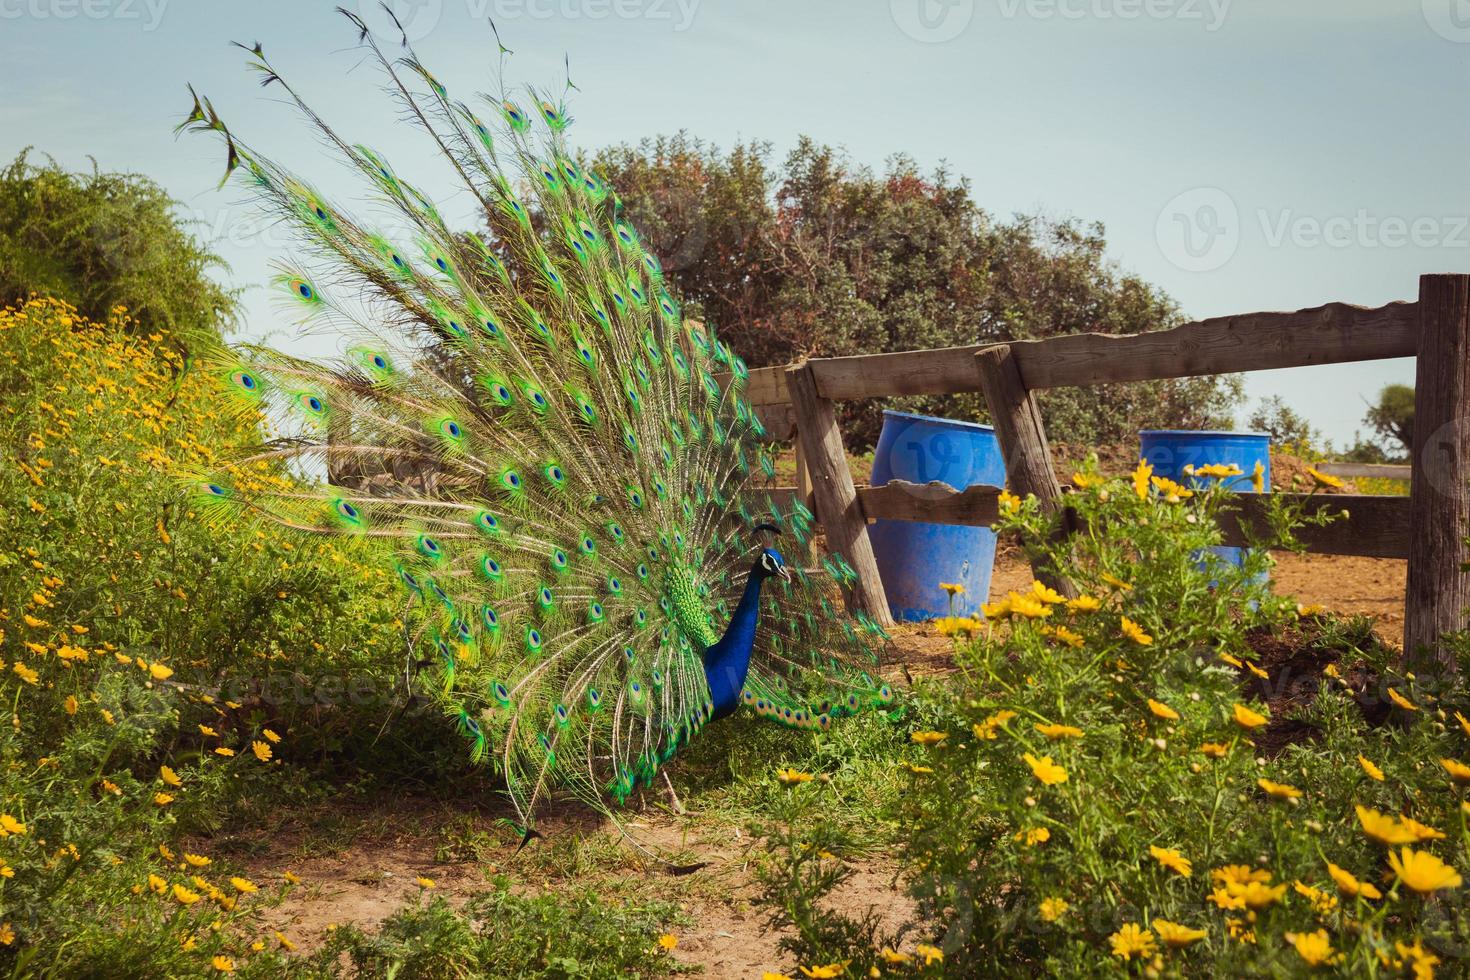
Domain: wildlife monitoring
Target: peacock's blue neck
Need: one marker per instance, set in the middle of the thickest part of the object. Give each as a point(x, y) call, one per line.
point(727, 661)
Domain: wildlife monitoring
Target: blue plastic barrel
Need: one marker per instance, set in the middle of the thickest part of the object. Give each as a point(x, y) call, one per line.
point(1171, 450)
point(913, 557)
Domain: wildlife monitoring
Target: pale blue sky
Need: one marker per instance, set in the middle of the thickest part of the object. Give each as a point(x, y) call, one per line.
point(1312, 150)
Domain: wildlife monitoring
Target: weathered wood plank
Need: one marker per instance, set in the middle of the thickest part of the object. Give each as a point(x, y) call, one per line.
point(1335, 333)
point(1022, 437)
point(1376, 526)
point(1331, 334)
point(836, 497)
point(1438, 591)
point(1379, 471)
point(934, 503)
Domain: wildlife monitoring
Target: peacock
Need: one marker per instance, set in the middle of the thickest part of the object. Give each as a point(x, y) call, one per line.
point(572, 484)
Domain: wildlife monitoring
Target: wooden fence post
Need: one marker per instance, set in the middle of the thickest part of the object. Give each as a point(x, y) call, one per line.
point(804, 494)
point(1438, 592)
point(836, 497)
point(1022, 438)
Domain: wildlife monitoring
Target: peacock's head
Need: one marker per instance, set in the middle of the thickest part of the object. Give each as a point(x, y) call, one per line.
point(769, 563)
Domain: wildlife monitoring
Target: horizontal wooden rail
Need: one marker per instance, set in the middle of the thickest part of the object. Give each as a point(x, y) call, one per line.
point(1378, 471)
point(1376, 526)
point(1331, 334)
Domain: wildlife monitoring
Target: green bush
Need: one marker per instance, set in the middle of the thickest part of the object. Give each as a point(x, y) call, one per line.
point(163, 678)
point(100, 240)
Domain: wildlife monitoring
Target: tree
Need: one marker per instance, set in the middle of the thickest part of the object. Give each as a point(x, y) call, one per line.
point(1285, 425)
point(826, 258)
point(1392, 418)
point(100, 240)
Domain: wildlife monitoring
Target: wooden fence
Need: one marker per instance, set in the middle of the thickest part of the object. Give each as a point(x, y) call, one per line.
point(1428, 527)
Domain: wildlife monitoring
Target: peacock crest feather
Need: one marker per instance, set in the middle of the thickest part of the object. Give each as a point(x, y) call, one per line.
point(574, 499)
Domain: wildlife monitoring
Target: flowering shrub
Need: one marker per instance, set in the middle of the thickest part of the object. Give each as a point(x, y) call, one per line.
point(1107, 788)
point(132, 643)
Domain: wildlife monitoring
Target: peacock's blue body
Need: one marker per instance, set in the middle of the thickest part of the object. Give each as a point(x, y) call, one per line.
point(568, 473)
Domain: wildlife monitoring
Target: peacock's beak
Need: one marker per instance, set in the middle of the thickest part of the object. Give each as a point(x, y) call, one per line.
point(784, 572)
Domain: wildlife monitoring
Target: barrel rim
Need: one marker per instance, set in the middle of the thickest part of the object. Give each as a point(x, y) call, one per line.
point(954, 423)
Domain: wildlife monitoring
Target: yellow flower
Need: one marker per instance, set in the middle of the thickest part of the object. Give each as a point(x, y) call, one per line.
point(223, 963)
point(1258, 478)
point(1116, 582)
point(1324, 479)
point(224, 751)
point(170, 777)
point(9, 825)
point(1135, 632)
point(957, 625)
point(952, 588)
point(262, 751)
point(159, 672)
point(1383, 828)
point(1246, 718)
point(1172, 860)
point(1071, 639)
point(1421, 832)
point(162, 799)
point(1044, 769)
point(270, 736)
point(1055, 732)
point(1422, 871)
point(157, 884)
point(893, 957)
point(1028, 606)
point(996, 610)
point(1314, 948)
point(1218, 470)
point(426, 883)
point(286, 944)
point(790, 777)
point(917, 770)
point(1257, 895)
point(244, 885)
point(1176, 935)
point(1421, 960)
point(1046, 593)
point(1280, 791)
point(168, 855)
point(1162, 710)
point(1322, 903)
point(7, 934)
point(986, 730)
point(70, 704)
point(928, 738)
point(197, 860)
point(1215, 750)
point(1032, 837)
point(826, 972)
point(1458, 771)
point(1464, 722)
point(26, 673)
point(1173, 492)
point(668, 942)
point(1009, 502)
point(768, 975)
point(107, 716)
point(1053, 909)
point(931, 954)
point(1141, 481)
point(1131, 941)
point(1401, 701)
point(1084, 603)
point(1372, 770)
point(291, 877)
point(208, 732)
point(185, 897)
point(1350, 885)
